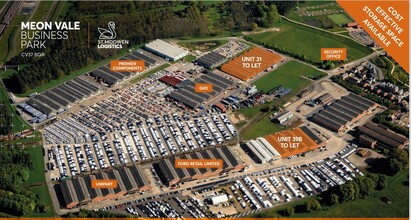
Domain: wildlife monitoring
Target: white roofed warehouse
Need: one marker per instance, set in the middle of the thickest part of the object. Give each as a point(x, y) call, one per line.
point(219, 199)
point(166, 50)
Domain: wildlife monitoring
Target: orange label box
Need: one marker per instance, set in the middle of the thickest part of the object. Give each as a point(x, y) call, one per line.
point(199, 163)
point(127, 65)
point(203, 87)
point(333, 53)
point(106, 183)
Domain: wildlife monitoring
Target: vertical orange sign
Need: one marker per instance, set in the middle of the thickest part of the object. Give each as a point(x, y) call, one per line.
point(387, 22)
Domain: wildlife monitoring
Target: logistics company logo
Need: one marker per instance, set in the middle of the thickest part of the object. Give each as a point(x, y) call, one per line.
point(107, 38)
point(108, 34)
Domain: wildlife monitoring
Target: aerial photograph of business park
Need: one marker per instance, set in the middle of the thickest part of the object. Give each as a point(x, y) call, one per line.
point(198, 109)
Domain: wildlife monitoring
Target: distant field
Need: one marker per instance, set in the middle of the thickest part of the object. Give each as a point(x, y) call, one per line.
point(397, 191)
point(339, 18)
point(289, 76)
point(307, 42)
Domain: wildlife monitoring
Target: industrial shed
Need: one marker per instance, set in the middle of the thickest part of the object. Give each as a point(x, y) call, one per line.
point(219, 199)
point(384, 136)
point(187, 95)
point(211, 60)
point(167, 171)
point(80, 191)
point(342, 112)
point(236, 68)
point(324, 99)
point(170, 80)
point(69, 194)
point(262, 150)
point(166, 50)
point(307, 144)
point(283, 117)
point(62, 97)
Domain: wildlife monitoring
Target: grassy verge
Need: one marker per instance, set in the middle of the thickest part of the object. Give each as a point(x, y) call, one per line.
point(138, 78)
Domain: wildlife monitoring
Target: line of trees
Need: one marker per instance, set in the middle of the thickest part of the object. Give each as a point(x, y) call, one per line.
point(84, 213)
point(359, 188)
point(5, 119)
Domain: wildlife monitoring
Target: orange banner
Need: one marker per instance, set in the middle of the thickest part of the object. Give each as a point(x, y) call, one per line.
point(198, 163)
point(203, 87)
point(104, 183)
point(333, 53)
point(386, 22)
point(127, 65)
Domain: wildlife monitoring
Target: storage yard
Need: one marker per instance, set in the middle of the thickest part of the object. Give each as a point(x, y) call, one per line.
point(107, 145)
point(103, 127)
point(246, 194)
point(265, 60)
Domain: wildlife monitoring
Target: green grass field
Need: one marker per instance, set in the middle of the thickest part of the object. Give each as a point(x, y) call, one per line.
point(37, 177)
point(307, 42)
point(261, 128)
point(18, 123)
point(37, 173)
point(289, 76)
point(189, 58)
point(138, 78)
point(397, 191)
point(339, 18)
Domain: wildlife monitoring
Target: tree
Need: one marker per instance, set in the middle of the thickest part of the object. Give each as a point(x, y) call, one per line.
point(289, 211)
point(381, 182)
point(273, 15)
point(334, 199)
point(394, 166)
point(347, 192)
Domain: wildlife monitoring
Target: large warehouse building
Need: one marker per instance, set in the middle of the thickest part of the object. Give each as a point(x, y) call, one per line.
point(187, 95)
point(383, 136)
point(172, 176)
point(262, 151)
point(211, 60)
point(261, 60)
point(62, 97)
point(339, 114)
point(166, 50)
point(309, 141)
point(79, 190)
